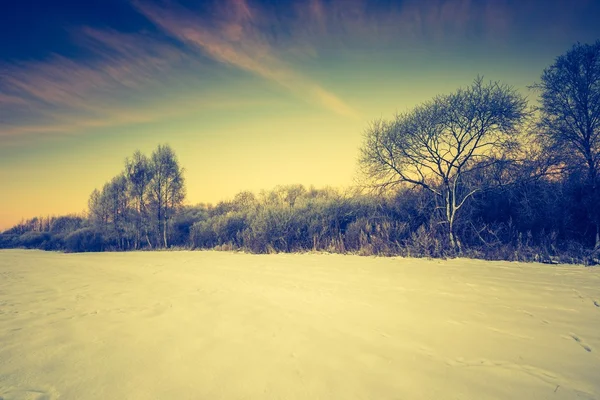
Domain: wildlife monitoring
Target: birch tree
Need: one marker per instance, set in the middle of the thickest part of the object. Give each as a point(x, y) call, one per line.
point(139, 172)
point(167, 189)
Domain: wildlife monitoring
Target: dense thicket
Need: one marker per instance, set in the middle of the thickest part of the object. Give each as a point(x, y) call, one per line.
point(541, 220)
point(532, 189)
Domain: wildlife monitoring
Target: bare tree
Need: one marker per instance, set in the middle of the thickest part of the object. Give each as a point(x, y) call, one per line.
point(139, 174)
point(109, 210)
point(167, 189)
point(98, 208)
point(120, 207)
point(439, 144)
point(245, 200)
point(570, 115)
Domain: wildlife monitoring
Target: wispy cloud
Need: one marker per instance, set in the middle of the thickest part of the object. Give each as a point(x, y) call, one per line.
point(109, 84)
point(348, 23)
point(235, 38)
point(36, 96)
point(7, 100)
point(116, 61)
point(69, 122)
point(272, 42)
point(400, 23)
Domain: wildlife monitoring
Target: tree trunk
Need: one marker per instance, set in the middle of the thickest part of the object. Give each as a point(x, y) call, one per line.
point(158, 225)
point(166, 214)
point(454, 241)
point(138, 226)
point(165, 232)
point(450, 217)
point(148, 240)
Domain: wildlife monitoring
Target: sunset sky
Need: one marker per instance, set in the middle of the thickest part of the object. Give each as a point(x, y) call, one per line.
point(250, 94)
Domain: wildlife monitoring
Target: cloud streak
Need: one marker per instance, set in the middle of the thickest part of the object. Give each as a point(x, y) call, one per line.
point(236, 39)
point(36, 96)
point(117, 61)
point(66, 122)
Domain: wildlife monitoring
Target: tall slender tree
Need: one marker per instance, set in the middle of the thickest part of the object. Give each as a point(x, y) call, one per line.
point(98, 209)
point(139, 173)
point(110, 211)
point(167, 190)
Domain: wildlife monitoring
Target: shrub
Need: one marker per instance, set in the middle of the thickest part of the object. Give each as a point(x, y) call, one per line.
point(202, 235)
point(33, 240)
point(9, 241)
point(84, 240)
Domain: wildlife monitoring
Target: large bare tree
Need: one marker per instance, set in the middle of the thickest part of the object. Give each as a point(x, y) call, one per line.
point(570, 116)
point(442, 143)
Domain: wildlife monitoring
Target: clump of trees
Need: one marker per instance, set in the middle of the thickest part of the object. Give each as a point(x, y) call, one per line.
point(475, 172)
point(136, 208)
point(141, 207)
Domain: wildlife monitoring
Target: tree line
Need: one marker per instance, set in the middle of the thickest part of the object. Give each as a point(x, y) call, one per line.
point(477, 172)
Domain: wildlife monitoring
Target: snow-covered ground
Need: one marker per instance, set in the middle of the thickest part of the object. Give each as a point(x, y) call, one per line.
point(212, 325)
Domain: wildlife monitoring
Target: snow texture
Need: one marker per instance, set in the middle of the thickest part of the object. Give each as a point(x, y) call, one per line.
point(216, 325)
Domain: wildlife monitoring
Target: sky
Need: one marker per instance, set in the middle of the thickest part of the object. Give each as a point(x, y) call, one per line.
point(250, 94)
